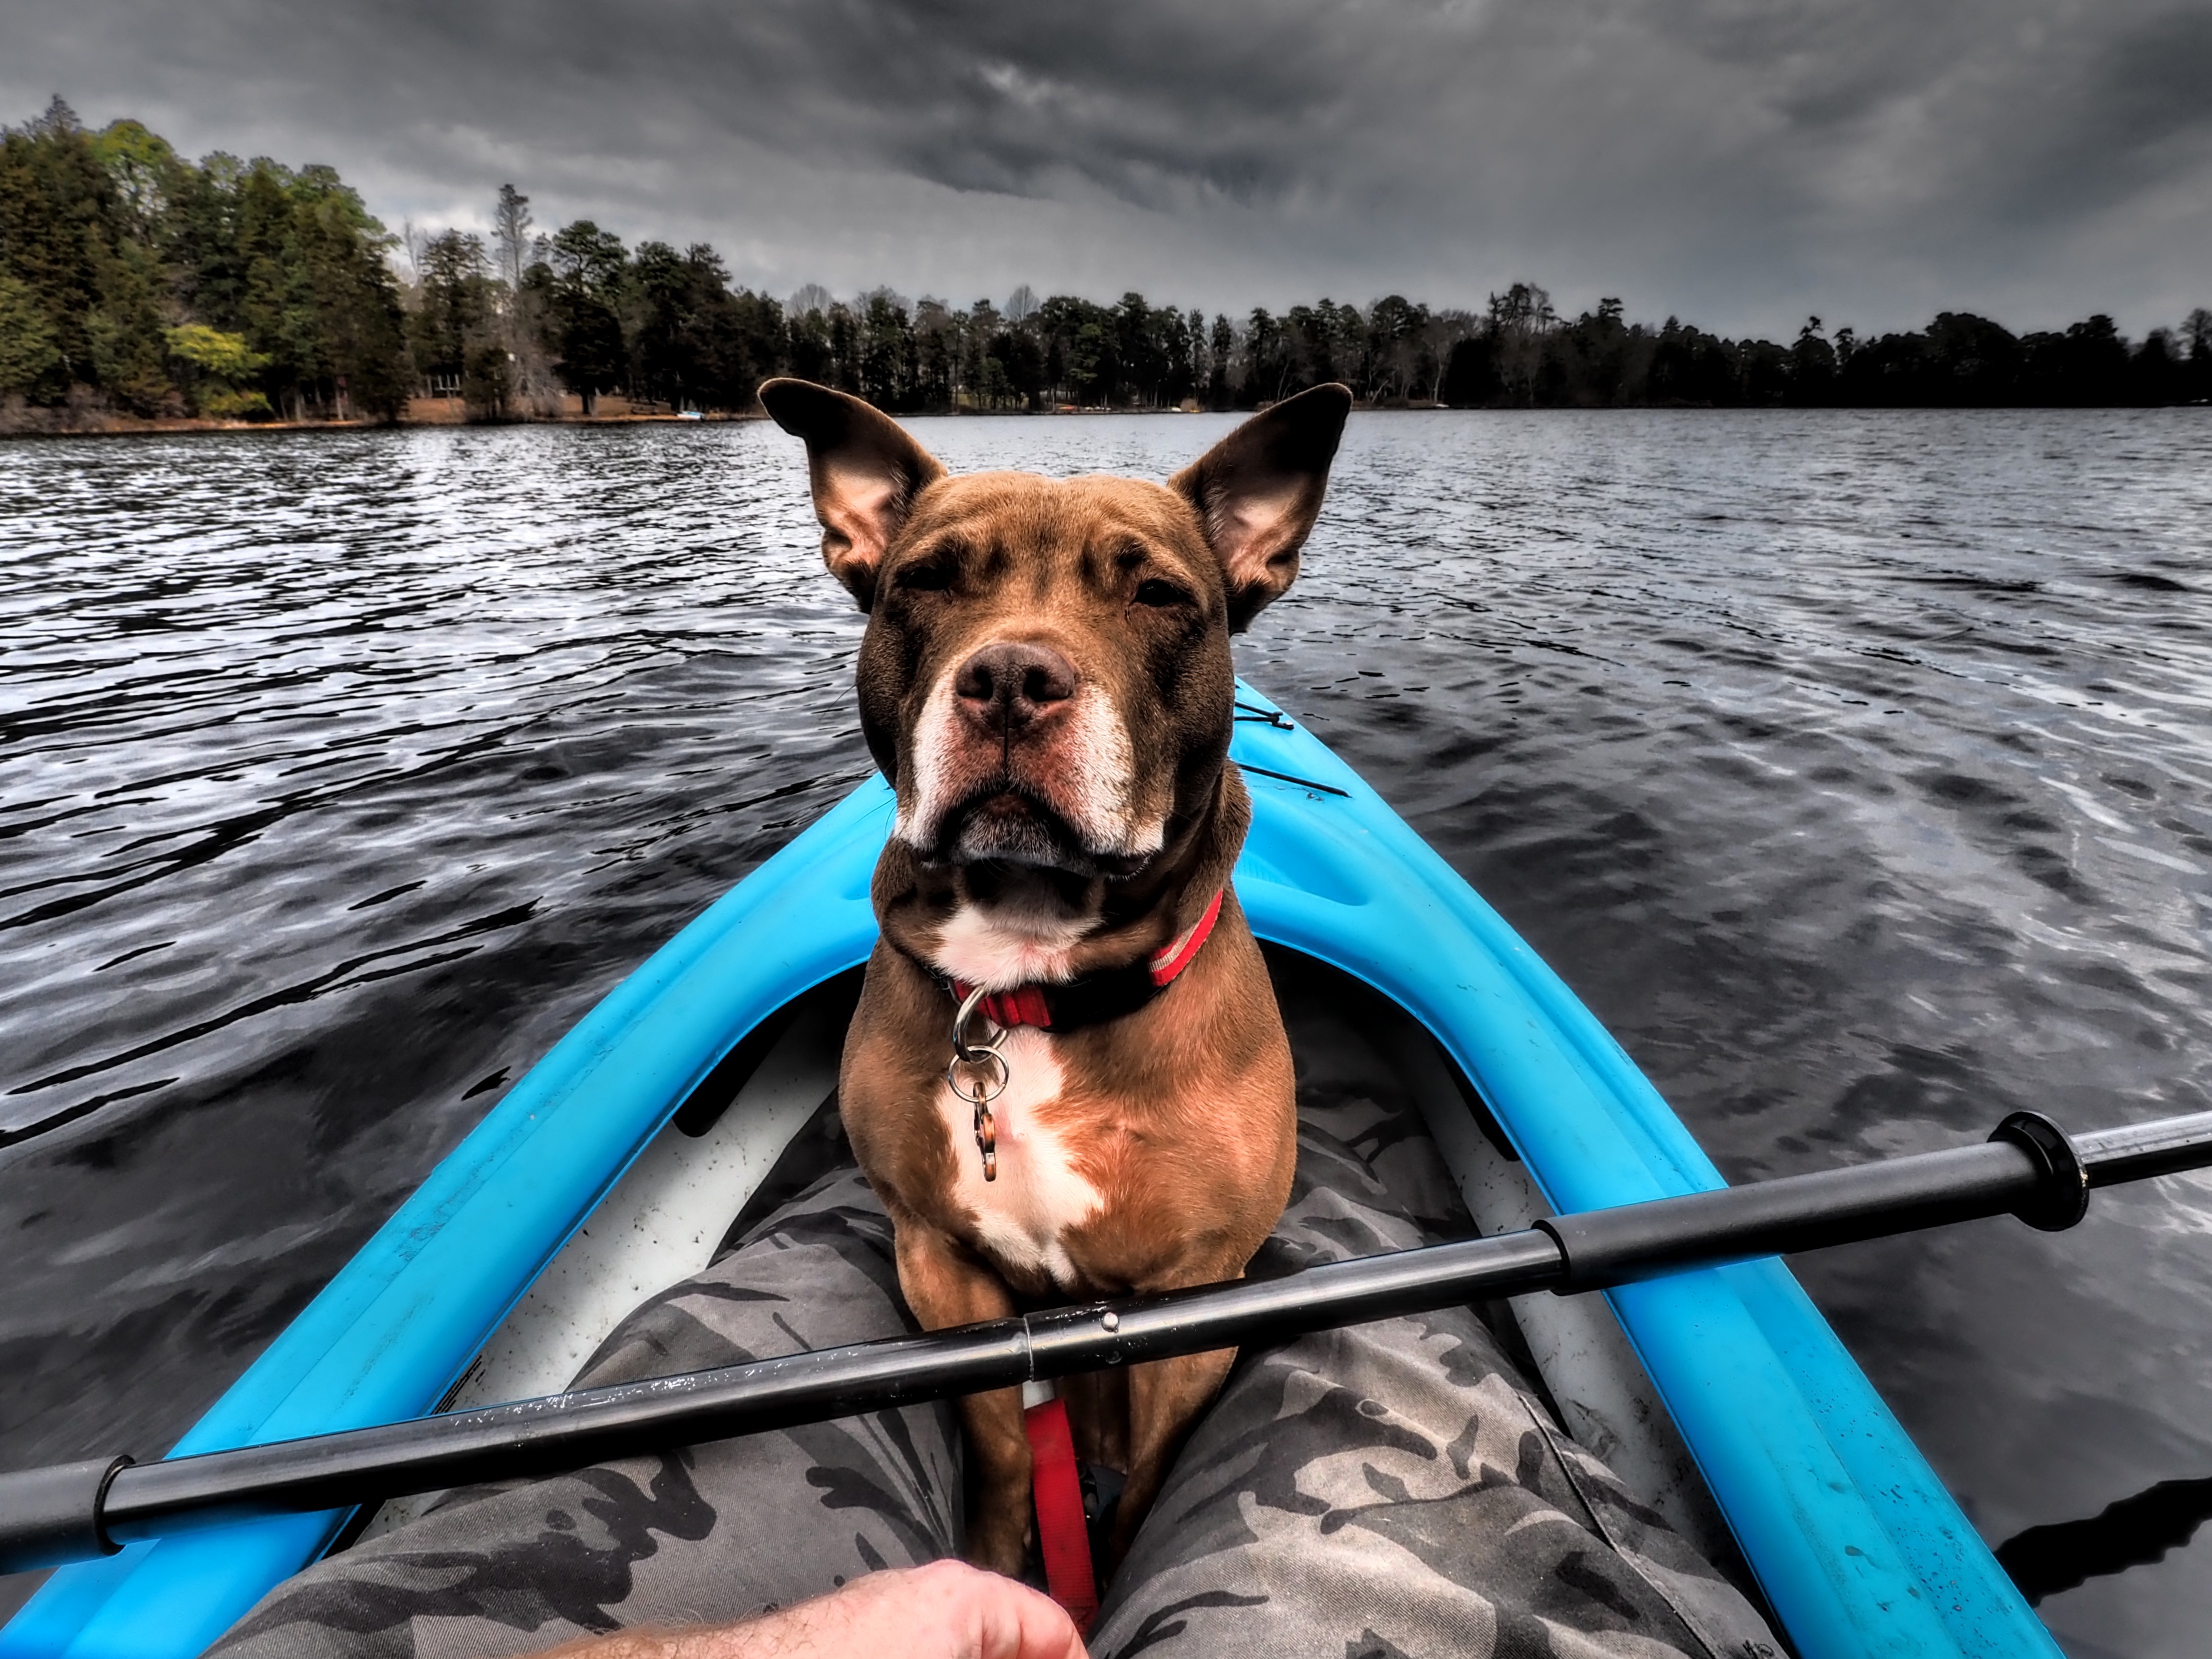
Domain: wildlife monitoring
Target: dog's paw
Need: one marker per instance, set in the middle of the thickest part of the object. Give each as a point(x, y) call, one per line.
point(999, 1543)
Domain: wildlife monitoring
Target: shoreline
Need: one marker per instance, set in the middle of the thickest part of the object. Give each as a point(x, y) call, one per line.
point(128, 425)
point(424, 412)
point(132, 426)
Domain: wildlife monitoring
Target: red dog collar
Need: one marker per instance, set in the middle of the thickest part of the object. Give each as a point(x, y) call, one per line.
point(1094, 999)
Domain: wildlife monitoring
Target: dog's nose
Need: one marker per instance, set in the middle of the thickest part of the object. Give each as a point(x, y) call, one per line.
point(1004, 687)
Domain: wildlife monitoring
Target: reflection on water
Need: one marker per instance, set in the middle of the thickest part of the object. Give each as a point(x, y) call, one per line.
point(1856, 767)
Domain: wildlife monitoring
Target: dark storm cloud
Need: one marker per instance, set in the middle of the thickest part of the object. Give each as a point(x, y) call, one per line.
point(1741, 163)
point(2143, 107)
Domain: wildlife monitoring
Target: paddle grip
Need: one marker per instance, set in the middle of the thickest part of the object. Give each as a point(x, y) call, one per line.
point(2007, 1174)
point(51, 1516)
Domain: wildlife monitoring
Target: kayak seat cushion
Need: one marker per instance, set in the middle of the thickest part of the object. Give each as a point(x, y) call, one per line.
point(1396, 1488)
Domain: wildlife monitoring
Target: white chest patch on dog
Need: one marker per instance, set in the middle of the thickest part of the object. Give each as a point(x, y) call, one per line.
point(999, 951)
point(1021, 1219)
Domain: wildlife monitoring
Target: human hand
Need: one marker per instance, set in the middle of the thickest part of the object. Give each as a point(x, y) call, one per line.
point(946, 1610)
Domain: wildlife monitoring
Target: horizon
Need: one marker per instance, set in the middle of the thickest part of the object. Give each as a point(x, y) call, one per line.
point(2027, 163)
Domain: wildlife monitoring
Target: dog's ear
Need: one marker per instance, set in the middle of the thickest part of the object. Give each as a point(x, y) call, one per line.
point(864, 473)
point(1259, 490)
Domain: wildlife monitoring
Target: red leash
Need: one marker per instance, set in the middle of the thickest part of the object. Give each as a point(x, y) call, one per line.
point(1063, 1536)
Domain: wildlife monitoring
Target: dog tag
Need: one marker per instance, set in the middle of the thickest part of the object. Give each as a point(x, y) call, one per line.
point(979, 1075)
point(987, 1140)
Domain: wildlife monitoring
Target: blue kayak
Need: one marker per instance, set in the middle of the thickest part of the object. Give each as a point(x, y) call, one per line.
point(1771, 1449)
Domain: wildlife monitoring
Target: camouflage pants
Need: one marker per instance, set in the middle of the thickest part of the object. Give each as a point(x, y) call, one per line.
point(1392, 1489)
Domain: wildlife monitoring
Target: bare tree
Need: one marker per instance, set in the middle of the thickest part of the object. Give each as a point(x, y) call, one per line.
point(510, 228)
point(1446, 328)
point(1021, 304)
point(533, 386)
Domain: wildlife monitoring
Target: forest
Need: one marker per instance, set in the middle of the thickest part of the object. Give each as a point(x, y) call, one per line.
point(136, 281)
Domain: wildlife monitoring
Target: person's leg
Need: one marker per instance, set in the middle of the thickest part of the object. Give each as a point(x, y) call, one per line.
point(1397, 1488)
point(702, 1535)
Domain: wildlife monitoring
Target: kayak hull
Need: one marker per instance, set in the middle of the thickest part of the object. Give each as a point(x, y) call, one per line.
point(1854, 1540)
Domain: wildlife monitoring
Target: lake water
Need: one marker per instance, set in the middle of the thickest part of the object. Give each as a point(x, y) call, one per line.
point(1856, 768)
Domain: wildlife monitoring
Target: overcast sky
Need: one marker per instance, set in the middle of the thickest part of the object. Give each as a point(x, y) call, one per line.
point(1739, 163)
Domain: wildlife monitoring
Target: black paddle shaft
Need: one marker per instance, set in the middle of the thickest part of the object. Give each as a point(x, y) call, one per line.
point(2027, 1168)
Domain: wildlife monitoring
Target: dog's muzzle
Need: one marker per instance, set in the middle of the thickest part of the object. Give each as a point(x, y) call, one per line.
point(1015, 761)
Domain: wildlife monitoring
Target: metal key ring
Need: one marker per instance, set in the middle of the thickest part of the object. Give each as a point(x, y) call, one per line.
point(973, 1053)
point(981, 1093)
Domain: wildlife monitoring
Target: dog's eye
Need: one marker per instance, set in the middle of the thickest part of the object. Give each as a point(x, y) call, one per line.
point(925, 578)
point(1154, 592)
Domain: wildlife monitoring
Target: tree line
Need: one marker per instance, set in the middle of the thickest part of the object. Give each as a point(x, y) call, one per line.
point(135, 280)
point(1522, 353)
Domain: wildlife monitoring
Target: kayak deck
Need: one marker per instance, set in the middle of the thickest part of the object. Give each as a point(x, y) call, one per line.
point(1851, 1537)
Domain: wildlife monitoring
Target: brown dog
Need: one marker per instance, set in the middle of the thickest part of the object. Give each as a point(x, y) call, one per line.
point(1045, 680)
